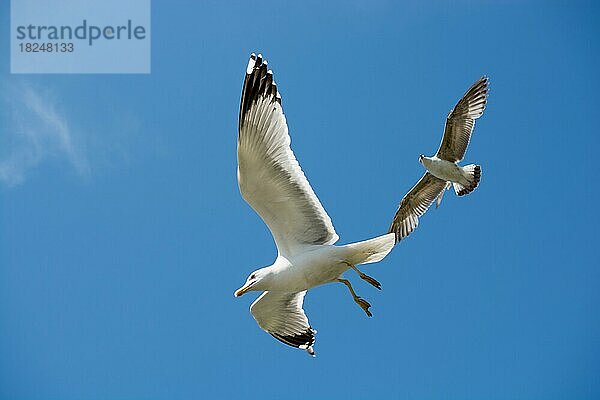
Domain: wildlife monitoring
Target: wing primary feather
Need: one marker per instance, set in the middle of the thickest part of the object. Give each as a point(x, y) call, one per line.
point(414, 204)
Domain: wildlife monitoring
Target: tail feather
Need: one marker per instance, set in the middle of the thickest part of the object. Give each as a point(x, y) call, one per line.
point(370, 251)
point(473, 175)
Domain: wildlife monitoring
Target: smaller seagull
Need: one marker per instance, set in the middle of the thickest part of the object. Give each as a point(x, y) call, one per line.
point(443, 170)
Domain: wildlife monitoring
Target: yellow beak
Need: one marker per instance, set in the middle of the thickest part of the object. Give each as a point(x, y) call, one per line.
point(242, 290)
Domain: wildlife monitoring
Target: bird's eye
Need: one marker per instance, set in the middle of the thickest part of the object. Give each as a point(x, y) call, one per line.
point(252, 276)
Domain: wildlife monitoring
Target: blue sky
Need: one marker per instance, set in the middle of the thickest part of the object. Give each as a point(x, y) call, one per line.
point(123, 235)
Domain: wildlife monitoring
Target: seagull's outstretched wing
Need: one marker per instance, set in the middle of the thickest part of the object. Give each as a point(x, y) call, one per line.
point(461, 121)
point(415, 204)
point(281, 315)
point(269, 176)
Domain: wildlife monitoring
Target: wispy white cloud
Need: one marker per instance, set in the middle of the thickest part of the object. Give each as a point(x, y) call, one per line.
point(35, 131)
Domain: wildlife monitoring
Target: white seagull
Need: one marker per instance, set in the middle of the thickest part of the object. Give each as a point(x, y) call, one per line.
point(272, 182)
point(443, 170)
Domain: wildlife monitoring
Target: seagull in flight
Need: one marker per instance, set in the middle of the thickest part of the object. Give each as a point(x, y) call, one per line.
point(272, 182)
point(443, 170)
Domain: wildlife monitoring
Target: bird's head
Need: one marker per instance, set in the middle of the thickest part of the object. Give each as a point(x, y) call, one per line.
point(254, 282)
point(421, 157)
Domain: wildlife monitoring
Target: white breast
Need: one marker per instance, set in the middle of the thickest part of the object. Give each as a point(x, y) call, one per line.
point(316, 266)
point(443, 169)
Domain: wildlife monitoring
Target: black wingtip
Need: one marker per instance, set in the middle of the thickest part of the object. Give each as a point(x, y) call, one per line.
point(258, 83)
point(304, 340)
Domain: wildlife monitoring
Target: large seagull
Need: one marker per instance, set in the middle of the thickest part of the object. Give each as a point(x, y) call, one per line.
point(443, 170)
point(272, 182)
